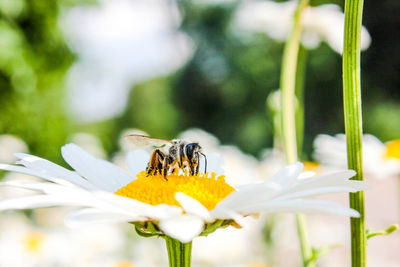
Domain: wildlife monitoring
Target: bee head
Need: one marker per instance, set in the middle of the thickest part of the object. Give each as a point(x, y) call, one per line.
point(192, 149)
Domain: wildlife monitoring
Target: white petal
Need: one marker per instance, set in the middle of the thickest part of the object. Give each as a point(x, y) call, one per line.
point(72, 196)
point(307, 174)
point(37, 201)
point(47, 177)
point(301, 205)
point(192, 206)
point(137, 161)
point(101, 173)
point(228, 214)
point(288, 174)
point(349, 186)
point(334, 179)
point(49, 168)
point(324, 180)
point(37, 186)
point(183, 228)
point(139, 208)
point(248, 195)
point(90, 216)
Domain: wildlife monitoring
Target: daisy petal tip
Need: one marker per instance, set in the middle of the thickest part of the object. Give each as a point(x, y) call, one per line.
point(68, 147)
point(192, 206)
point(354, 213)
point(351, 173)
point(297, 166)
point(183, 228)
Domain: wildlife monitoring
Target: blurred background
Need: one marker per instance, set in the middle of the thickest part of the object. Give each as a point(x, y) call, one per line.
point(101, 66)
point(84, 71)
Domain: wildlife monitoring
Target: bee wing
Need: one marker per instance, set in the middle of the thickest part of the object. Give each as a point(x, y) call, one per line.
point(146, 141)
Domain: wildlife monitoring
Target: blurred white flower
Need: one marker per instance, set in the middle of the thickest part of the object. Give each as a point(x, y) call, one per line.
point(120, 43)
point(10, 144)
point(188, 203)
point(23, 243)
point(90, 143)
point(320, 23)
point(379, 160)
point(231, 246)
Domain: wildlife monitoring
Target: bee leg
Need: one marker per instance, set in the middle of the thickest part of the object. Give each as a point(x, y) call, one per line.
point(165, 167)
point(148, 171)
point(198, 164)
point(152, 163)
point(181, 156)
point(191, 167)
point(205, 162)
point(155, 162)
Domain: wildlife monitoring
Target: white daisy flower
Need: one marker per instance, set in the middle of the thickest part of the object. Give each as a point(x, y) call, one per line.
point(379, 160)
point(10, 144)
point(25, 244)
point(181, 207)
point(321, 23)
point(231, 245)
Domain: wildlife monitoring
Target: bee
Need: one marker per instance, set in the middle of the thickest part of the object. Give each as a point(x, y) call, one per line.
point(170, 155)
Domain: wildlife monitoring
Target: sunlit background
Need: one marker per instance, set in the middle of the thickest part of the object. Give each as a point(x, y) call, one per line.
point(87, 71)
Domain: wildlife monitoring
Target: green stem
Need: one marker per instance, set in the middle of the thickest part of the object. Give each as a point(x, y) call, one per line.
point(179, 254)
point(300, 80)
point(353, 122)
point(288, 85)
point(306, 249)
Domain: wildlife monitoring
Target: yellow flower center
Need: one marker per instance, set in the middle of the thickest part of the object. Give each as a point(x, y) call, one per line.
point(155, 189)
point(310, 166)
point(393, 149)
point(33, 241)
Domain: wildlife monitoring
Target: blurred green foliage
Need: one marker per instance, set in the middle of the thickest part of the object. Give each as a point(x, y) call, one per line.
point(33, 61)
point(222, 89)
point(151, 107)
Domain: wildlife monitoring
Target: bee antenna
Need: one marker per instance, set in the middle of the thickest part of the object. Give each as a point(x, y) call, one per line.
point(205, 159)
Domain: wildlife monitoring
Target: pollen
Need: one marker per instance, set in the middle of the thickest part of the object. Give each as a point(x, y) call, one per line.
point(393, 149)
point(208, 189)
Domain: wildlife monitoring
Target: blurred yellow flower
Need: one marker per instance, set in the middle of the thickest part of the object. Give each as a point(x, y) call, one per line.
point(33, 241)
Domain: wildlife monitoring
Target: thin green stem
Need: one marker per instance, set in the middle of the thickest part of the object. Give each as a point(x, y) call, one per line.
point(288, 86)
point(299, 90)
point(353, 122)
point(179, 254)
point(306, 249)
